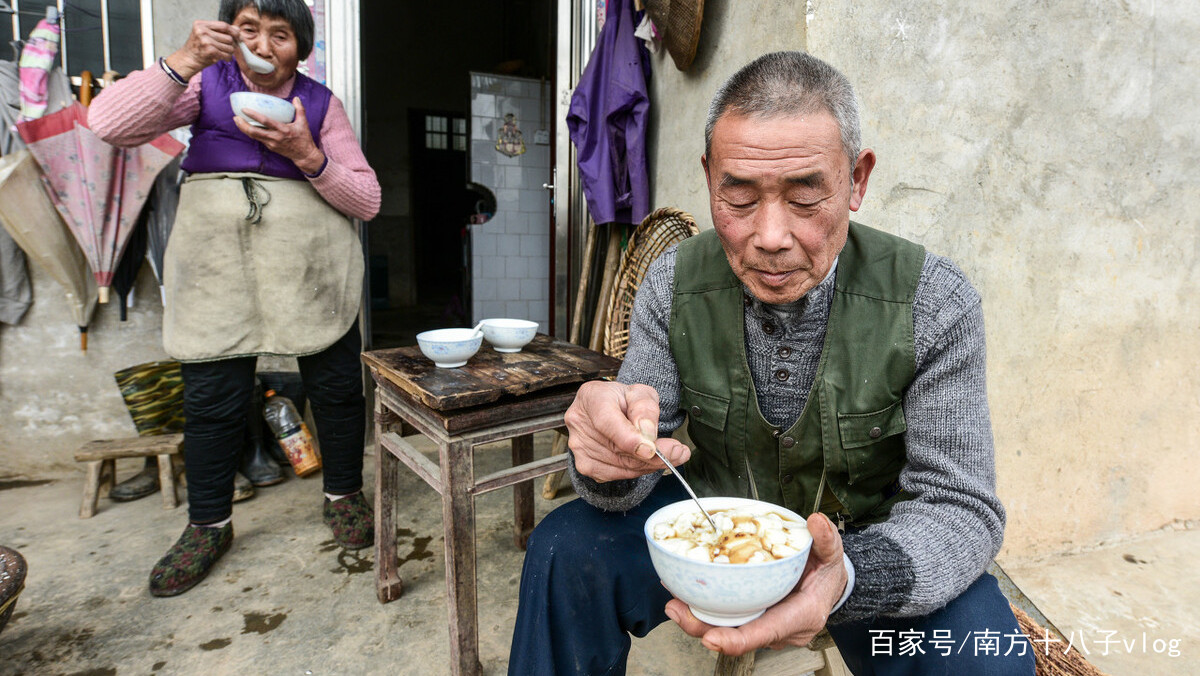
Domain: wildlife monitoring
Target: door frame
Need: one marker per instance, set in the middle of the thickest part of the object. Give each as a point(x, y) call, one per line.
point(577, 29)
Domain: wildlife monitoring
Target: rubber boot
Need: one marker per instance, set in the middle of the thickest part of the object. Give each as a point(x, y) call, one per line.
point(139, 485)
point(257, 464)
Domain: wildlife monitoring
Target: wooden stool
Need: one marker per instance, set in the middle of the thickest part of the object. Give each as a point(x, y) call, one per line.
point(101, 456)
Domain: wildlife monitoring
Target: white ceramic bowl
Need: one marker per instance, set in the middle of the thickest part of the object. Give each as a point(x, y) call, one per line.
point(509, 335)
point(280, 110)
point(449, 348)
point(724, 594)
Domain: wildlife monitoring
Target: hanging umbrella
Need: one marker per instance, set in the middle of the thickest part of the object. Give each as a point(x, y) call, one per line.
point(30, 217)
point(37, 59)
point(164, 200)
point(98, 188)
point(126, 273)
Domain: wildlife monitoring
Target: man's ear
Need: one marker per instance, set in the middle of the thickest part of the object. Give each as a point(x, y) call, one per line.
point(862, 173)
point(707, 178)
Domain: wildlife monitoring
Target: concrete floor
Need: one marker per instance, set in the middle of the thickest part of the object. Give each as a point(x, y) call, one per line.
point(286, 600)
point(1130, 607)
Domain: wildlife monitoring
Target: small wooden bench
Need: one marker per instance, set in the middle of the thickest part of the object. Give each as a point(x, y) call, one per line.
point(101, 456)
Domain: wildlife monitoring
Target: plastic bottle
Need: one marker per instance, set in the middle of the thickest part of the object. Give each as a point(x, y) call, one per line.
point(293, 434)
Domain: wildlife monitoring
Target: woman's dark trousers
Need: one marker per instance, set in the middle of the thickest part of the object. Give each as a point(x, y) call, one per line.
point(215, 398)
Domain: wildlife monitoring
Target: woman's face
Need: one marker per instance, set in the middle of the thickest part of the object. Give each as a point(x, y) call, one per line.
point(272, 38)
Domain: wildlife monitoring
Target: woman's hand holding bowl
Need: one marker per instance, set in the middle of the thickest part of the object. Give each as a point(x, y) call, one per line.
point(795, 620)
point(292, 140)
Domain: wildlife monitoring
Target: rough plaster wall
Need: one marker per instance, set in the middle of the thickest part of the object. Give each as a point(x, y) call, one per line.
point(173, 22)
point(734, 32)
point(1048, 148)
point(53, 396)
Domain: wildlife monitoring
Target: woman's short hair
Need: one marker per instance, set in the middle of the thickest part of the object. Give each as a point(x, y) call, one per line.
point(295, 12)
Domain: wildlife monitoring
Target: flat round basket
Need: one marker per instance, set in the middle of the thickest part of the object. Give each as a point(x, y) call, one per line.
point(655, 234)
point(12, 581)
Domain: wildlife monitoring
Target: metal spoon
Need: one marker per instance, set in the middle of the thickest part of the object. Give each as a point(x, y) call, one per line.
point(255, 62)
point(687, 488)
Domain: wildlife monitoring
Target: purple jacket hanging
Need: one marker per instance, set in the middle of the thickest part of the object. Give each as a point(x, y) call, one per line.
point(607, 122)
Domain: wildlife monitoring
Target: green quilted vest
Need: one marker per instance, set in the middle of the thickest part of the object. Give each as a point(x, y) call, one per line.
point(844, 454)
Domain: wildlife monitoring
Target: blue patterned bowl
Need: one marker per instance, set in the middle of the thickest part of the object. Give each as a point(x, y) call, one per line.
point(449, 348)
point(280, 110)
point(509, 335)
point(724, 594)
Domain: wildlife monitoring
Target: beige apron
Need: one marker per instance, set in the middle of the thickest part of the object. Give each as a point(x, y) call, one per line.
point(288, 284)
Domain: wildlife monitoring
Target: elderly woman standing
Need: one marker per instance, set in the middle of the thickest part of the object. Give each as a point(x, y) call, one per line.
point(263, 259)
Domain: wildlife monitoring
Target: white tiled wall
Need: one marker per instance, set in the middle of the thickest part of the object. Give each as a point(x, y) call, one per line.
point(510, 254)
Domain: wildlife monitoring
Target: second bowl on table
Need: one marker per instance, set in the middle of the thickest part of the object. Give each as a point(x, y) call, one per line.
point(449, 348)
point(509, 335)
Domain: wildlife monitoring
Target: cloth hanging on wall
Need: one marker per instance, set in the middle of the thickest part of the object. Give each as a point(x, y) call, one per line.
point(37, 62)
point(607, 121)
point(16, 291)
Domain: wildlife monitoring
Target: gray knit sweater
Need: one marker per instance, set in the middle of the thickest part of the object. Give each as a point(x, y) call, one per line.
point(934, 545)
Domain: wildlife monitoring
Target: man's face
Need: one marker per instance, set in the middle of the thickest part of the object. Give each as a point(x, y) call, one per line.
point(781, 193)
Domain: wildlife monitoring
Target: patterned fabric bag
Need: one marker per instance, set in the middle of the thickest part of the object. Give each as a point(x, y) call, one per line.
point(153, 393)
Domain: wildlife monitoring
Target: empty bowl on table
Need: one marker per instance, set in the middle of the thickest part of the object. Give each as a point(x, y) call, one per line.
point(509, 335)
point(273, 107)
point(724, 594)
point(448, 348)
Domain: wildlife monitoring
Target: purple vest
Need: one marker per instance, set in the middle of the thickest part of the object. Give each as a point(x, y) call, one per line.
point(218, 145)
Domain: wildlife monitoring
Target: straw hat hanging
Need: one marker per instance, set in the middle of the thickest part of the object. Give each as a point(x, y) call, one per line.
point(679, 23)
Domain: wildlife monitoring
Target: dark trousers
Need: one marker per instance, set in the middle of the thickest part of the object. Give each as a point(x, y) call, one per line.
point(216, 395)
point(588, 585)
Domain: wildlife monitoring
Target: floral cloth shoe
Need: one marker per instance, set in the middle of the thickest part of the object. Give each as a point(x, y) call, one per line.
point(352, 520)
point(188, 561)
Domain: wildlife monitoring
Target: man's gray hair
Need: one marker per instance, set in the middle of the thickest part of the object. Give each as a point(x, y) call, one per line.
point(788, 83)
point(295, 12)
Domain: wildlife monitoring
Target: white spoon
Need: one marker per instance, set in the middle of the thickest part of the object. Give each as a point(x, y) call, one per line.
point(478, 329)
point(255, 62)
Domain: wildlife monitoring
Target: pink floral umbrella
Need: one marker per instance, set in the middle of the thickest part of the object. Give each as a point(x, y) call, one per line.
point(98, 188)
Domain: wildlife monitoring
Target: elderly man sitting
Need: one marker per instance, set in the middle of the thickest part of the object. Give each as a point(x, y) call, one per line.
point(821, 365)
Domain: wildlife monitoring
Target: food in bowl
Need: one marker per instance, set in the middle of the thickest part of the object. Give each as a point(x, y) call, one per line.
point(728, 594)
point(509, 335)
point(280, 110)
point(747, 535)
point(449, 348)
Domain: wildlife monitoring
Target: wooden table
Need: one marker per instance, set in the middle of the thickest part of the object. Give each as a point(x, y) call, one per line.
point(494, 397)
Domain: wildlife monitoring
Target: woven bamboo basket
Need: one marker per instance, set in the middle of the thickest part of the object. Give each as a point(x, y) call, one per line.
point(655, 234)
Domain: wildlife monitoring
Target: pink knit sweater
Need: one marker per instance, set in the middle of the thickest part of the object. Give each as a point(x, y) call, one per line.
point(148, 103)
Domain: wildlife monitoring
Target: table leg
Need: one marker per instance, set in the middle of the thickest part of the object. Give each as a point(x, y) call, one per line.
point(388, 585)
point(166, 481)
point(458, 520)
point(522, 453)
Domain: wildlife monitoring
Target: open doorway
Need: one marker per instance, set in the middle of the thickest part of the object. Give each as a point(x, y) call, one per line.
point(446, 183)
